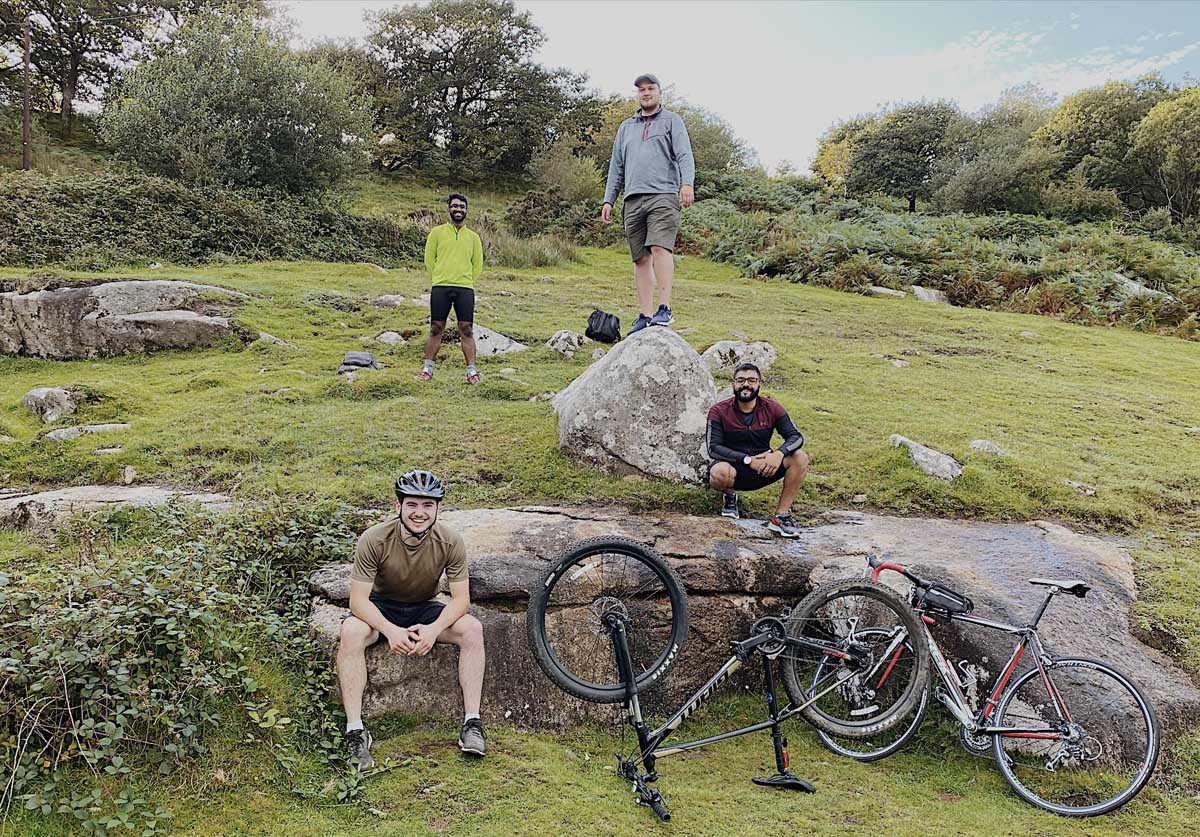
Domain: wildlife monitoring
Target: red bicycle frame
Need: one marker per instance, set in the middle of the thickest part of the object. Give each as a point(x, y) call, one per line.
point(955, 698)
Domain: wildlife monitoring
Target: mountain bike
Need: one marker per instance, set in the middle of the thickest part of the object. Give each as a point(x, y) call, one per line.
point(610, 619)
point(1071, 735)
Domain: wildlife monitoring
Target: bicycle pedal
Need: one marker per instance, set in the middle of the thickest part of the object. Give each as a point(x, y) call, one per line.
point(785, 781)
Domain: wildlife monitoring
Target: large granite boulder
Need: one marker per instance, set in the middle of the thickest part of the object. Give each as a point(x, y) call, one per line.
point(114, 318)
point(736, 572)
point(642, 408)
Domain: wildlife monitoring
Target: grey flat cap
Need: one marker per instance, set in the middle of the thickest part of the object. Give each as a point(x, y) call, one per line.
point(644, 77)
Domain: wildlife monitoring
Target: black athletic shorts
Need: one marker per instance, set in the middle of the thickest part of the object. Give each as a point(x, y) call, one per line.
point(407, 614)
point(441, 297)
point(748, 479)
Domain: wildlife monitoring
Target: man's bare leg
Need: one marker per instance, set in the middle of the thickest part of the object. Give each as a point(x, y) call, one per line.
point(466, 333)
point(643, 276)
point(432, 344)
point(664, 271)
point(797, 469)
point(722, 477)
point(356, 637)
point(467, 634)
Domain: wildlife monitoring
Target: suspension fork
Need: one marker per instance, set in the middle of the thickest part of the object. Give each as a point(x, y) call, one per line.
point(618, 630)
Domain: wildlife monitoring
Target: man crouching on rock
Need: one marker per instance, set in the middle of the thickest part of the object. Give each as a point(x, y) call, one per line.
point(397, 566)
point(739, 443)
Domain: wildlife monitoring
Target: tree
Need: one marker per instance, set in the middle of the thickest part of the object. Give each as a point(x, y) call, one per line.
point(77, 45)
point(1090, 132)
point(461, 79)
point(898, 155)
point(989, 163)
point(832, 161)
point(714, 144)
point(226, 102)
point(1169, 137)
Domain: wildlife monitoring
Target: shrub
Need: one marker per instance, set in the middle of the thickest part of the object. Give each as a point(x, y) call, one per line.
point(227, 103)
point(501, 248)
point(1072, 201)
point(136, 653)
point(98, 221)
point(576, 178)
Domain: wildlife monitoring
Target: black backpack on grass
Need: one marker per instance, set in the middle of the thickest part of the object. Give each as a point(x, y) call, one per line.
point(603, 327)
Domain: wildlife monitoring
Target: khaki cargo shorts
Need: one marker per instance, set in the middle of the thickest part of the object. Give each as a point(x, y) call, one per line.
point(650, 221)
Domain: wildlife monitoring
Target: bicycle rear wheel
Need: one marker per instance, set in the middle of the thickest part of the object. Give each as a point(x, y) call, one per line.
point(885, 743)
point(1106, 747)
point(593, 579)
point(846, 661)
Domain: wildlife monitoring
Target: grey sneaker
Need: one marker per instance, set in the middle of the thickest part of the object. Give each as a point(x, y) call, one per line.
point(358, 748)
point(641, 322)
point(784, 526)
point(471, 739)
point(662, 317)
point(729, 506)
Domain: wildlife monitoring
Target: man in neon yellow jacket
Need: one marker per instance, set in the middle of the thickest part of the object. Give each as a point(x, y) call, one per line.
point(454, 259)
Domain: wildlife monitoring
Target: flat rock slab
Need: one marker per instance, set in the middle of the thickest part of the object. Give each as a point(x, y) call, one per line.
point(66, 434)
point(114, 318)
point(46, 510)
point(736, 572)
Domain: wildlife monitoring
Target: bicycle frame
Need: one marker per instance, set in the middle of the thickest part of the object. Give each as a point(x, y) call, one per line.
point(650, 742)
point(954, 697)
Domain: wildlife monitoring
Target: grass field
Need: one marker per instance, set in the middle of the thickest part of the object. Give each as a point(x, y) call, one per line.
point(1113, 409)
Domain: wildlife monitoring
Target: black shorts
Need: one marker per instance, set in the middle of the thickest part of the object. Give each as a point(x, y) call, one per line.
point(748, 479)
point(441, 297)
point(407, 614)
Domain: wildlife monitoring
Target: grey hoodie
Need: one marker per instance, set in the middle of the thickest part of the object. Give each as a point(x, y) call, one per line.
point(652, 155)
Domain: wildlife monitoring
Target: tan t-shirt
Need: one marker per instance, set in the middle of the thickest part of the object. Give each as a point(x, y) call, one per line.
point(404, 573)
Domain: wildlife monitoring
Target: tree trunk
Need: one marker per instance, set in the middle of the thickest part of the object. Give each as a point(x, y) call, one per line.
point(912, 203)
point(67, 112)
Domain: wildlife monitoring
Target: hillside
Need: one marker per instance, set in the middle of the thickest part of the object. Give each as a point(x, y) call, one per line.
point(1114, 409)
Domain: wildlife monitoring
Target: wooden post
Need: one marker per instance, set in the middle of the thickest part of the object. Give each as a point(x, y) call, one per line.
point(26, 143)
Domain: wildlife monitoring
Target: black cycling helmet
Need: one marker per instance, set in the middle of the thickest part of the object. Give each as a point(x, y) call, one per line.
point(418, 483)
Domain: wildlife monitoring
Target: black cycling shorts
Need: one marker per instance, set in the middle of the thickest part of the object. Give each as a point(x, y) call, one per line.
point(748, 479)
point(407, 614)
point(442, 297)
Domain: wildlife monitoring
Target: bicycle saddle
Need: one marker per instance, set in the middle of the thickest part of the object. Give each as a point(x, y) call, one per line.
point(1075, 588)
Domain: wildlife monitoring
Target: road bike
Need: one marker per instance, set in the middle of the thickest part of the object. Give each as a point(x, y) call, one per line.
point(610, 619)
point(1071, 735)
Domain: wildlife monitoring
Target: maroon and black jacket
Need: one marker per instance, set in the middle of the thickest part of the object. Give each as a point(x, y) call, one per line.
point(730, 438)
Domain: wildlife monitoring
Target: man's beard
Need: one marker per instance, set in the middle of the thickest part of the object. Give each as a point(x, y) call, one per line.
point(458, 217)
point(741, 396)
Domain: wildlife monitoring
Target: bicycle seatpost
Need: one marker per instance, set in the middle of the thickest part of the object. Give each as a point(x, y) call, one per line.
point(1041, 610)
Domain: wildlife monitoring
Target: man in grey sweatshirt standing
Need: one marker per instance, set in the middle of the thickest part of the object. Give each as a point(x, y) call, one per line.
point(652, 161)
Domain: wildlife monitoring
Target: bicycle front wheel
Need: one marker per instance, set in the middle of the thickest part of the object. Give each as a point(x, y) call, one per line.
point(856, 659)
point(600, 578)
point(1103, 747)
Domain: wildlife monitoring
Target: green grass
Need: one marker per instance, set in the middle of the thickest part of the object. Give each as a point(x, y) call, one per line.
point(380, 194)
point(1105, 407)
point(542, 784)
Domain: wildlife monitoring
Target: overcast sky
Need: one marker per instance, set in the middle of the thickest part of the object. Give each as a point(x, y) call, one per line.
point(782, 72)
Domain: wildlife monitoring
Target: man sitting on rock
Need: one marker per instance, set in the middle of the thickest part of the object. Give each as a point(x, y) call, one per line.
point(397, 566)
point(739, 443)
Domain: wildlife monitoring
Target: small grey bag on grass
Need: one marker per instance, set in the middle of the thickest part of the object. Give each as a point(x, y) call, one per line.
point(353, 361)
